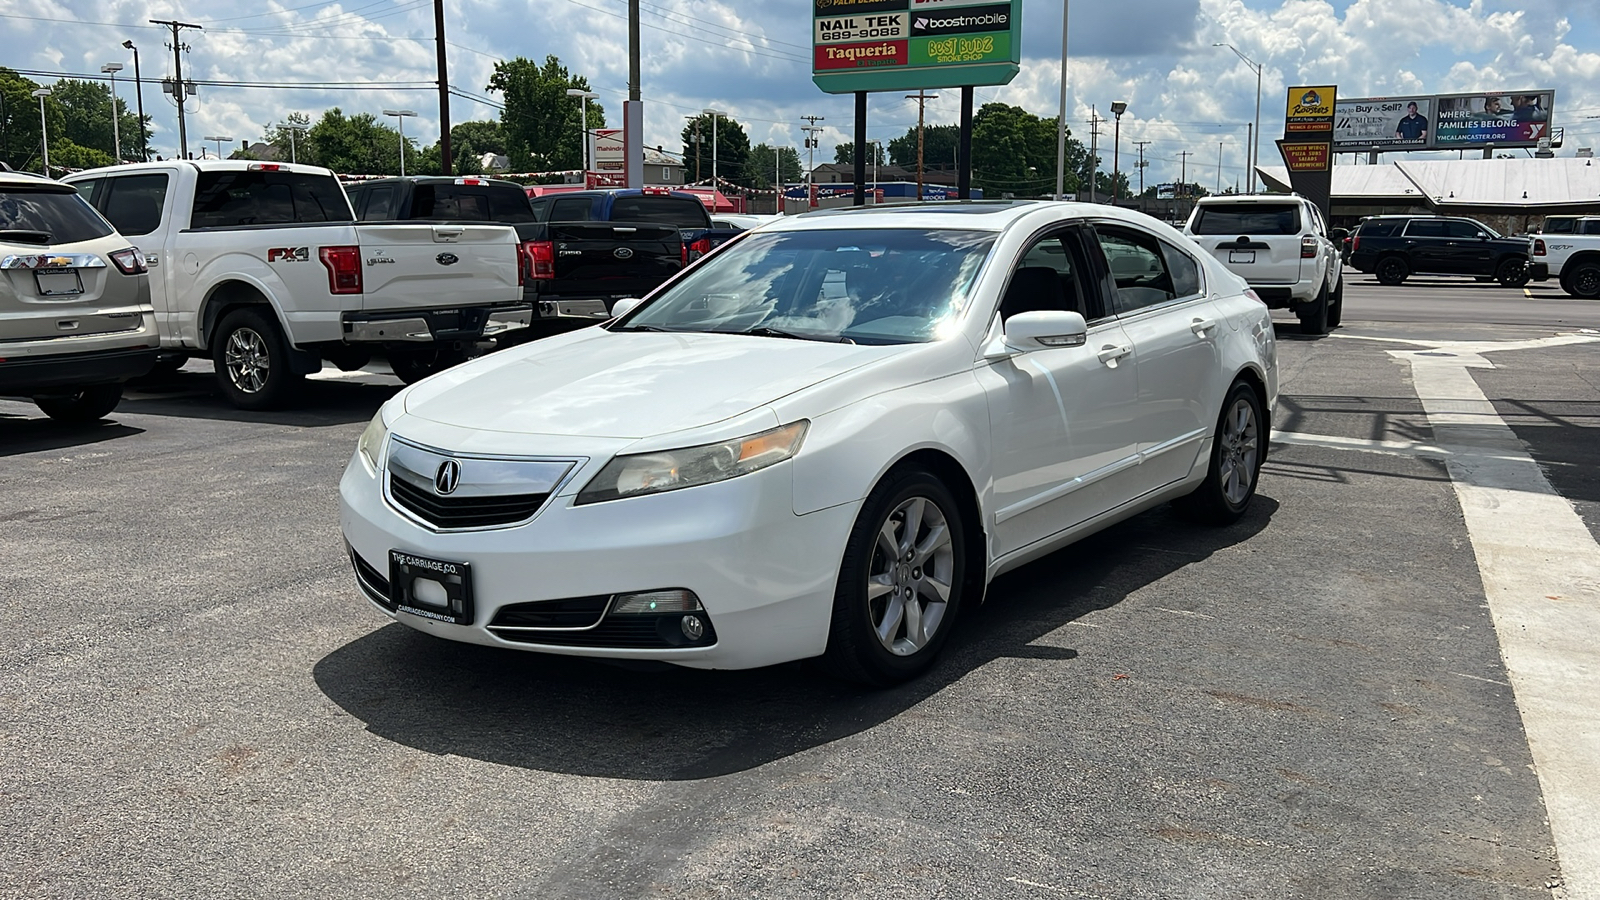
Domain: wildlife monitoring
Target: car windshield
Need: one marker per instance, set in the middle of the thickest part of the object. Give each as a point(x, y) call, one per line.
point(1248, 218)
point(864, 286)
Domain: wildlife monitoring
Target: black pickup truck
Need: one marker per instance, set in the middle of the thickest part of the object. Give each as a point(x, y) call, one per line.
point(1396, 247)
point(572, 271)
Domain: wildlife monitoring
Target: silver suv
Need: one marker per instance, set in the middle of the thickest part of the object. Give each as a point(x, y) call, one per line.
point(1282, 247)
point(75, 315)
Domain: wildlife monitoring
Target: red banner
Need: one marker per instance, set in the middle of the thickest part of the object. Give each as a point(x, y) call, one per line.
point(861, 56)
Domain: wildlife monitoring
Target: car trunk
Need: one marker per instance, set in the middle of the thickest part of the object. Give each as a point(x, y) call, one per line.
point(64, 291)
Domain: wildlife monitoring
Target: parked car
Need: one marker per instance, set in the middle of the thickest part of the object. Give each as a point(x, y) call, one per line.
point(1396, 247)
point(263, 268)
point(75, 314)
point(1573, 258)
point(740, 221)
point(1564, 225)
point(824, 439)
point(1281, 246)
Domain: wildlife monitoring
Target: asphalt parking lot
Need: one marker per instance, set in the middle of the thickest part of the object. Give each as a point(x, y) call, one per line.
point(1310, 703)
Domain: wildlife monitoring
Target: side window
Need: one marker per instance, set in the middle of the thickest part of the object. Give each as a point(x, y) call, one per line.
point(541, 209)
point(1185, 271)
point(1590, 226)
point(1426, 228)
point(86, 189)
point(1559, 226)
point(379, 203)
point(135, 203)
point(1465, 230)
point(1050, 276)
point(571, 209)
point(1137, 267)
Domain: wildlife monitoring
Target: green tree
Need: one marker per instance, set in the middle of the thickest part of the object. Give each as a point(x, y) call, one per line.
point(358, 145)
point(541, 124)
point(86, 118)
point(19, 121)
point(485, 137)
point(939, 143)
point(732, 146)
point(291, 139)
point(845, 154)
point(759, 170)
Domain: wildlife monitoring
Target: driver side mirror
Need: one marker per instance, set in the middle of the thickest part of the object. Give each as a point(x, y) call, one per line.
point(624, 306)
point(1482, 236)
point(1338, 234)
point(1045, 329)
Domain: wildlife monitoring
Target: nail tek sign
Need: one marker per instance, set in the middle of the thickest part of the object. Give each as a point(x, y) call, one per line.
point(892, 45)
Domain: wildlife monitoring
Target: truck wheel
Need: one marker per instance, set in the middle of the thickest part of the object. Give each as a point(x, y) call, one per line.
point(1583, 281)
point(1392, 270)
point(252, 359)
point(1512, 273)
point(1314, 318)
point(83, 406)
point(1336, 311)
point(411, 366)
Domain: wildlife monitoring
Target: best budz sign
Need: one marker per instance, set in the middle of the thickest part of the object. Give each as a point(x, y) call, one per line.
point(895, 45)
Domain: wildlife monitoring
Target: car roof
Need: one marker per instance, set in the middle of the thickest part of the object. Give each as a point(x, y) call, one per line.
point(28, 179)
point(1218, 199)
point(433, 179)
point(951, 215)
point(202, 165)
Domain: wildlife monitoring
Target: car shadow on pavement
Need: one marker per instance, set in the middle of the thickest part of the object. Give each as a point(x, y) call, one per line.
point(573, 716)
point(29, 434)
point(195, 395)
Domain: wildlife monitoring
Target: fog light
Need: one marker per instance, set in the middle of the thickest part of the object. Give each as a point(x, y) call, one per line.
point(645, 603)
point(693, 628)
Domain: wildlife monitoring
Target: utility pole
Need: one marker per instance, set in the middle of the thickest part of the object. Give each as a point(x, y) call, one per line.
point(138, 88)
point(1061, 116)
point(179, 86)
point(1141, 145)
point(1094, 154)
point(1250, 169)
point(811, 129)
point(1219, 167)
point(446, 160)
point(1183, 181)
point(922, 97)
point(633, 112)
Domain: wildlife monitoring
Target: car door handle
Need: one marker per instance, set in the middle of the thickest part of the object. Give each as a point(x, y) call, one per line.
point(151, 260)
point(1201, 326)
point(448, 235)
point(1111, 354)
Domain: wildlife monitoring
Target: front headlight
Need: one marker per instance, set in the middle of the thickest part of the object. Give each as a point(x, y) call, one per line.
point(371, 443)
point(671, 470)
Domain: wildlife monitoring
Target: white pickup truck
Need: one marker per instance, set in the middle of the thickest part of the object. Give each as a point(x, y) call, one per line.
point(262, 268)
point(1570, 245)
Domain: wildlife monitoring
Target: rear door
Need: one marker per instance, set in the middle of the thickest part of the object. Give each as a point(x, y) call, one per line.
point(1431, 247)
point(56, 278)
point(613, 259)
point(1258, 241)
point(430, 266)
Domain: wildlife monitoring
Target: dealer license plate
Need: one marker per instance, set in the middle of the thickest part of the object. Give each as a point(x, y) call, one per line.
point(431, 588)
point(1241, 256)
point(58, 282)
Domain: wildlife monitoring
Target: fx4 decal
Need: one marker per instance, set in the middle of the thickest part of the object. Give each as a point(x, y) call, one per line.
point(289, 254)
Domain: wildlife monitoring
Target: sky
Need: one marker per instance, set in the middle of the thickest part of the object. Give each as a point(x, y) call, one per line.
point(752, 59)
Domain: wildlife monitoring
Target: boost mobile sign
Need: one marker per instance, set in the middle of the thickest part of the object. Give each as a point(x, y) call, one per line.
point(894, 45)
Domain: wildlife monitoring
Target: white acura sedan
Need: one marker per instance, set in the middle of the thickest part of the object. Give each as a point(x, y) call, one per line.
point(822, 440)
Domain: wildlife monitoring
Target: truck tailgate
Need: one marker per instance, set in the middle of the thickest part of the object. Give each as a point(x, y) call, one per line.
point(621, 259)
point(1259, 259)
point(422, 265)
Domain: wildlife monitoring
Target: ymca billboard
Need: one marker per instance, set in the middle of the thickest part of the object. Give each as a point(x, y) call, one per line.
point(1443, 121)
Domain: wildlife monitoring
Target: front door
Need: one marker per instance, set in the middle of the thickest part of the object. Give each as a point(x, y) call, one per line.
point(1060, 418)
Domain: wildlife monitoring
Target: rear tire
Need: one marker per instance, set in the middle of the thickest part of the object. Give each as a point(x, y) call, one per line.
point(1583, 281)
point(1513, 273)
point(90, 404)
point(1336, 310)
point(1392, 270)
point(1314, 318)
point(1237, 452)
point(411, 366)
point(252, 360)
point(900, 583)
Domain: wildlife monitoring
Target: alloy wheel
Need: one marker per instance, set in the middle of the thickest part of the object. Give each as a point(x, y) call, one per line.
point(1239, 452)
point(910, 578)
point(247, 360)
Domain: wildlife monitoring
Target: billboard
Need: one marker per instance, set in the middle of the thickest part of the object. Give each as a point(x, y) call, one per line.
point(1504, 120)
point(1309, 109)
point(895, 45)
point(1443, 121)
point(1399, 123)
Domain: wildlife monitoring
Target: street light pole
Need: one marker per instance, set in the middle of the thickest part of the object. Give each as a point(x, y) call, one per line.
point(1061, 121)
point(44, 137)
point(292, 128)
point(401, 116)
point(112, 68)
point(1255, 149)
point(219, 139)
point(138, 89)
point(583, 121)
point(1117, 108)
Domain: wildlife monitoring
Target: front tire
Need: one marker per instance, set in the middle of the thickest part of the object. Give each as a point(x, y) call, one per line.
point(252, 360)
point(900, 583)
point(1392, 270)
point(1237, 452)
point(1513, 273)
point(90, 404)
point(1583, 281)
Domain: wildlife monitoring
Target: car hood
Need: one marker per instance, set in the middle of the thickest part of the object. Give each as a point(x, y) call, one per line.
point(629, 384)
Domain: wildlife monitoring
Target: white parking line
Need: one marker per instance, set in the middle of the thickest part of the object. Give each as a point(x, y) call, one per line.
point(1541, 574)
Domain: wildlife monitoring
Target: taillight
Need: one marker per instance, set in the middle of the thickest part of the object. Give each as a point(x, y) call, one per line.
point(1308, 247)
point(264, 167)
point(1254, 296)
point(1538, 248)
point(344, 269)
point(1355, 242)
point(129, 261)
point(468, 181)
point(694, 251)
point(541, 260)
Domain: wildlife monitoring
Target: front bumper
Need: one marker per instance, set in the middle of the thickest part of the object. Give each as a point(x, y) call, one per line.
point(429, 326)
point(765, 576)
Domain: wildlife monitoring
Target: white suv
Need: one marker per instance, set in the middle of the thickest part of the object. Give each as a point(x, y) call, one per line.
point(1280, 244)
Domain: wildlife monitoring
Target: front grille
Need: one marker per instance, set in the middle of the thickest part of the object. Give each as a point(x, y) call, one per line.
point(464, 512)
point(647, 632)
point(578, 612)
point(376, 586)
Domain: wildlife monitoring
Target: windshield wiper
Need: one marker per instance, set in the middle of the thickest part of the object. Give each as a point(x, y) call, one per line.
point(26, 235)
point(646, 328)
point(764, 331)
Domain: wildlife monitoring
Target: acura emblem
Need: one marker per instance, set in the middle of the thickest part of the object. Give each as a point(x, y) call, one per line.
point(622, 253)
point(448, 478)
point(447, 259)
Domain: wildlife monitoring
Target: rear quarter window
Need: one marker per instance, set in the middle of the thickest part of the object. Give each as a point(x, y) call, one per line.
point(62, 214)
point(470, 203)
point(228, 199)
point(1251, 219)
